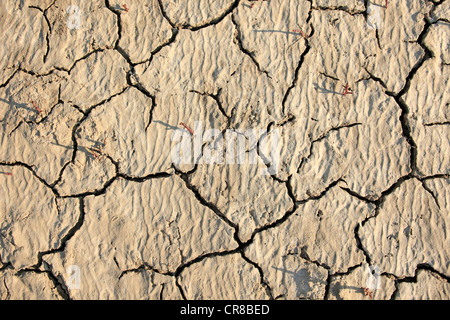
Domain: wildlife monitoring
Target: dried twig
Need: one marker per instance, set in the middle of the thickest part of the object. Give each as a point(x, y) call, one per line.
point(301, 32)
point(187, 128)
point(36, 107)
point(251, 6)
point(368, 292)
point(347, 90)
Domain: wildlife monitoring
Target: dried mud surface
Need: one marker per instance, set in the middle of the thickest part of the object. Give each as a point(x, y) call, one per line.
point(87, 178)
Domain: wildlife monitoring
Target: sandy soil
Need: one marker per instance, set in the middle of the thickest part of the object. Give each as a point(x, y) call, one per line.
point(93, 205)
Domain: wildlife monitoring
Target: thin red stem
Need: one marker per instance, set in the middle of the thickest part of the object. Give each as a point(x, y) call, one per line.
point(36, 107)
point(301, 32)
point(187, 128)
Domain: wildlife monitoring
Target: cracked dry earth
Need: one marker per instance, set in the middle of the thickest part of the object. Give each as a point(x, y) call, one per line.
point(87, 180)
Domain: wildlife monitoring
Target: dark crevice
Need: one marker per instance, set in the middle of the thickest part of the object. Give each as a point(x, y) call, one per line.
point(337, 274)
point(427, 189)
point(164, 14)
point(151, 176)
point(81, 59)
point(377, 36)
point(266, 161)
point(441, 123)
point(379, 202)
point(218, 19)
point(8, 294)
point(47, 40)
point(116, 262)
point(296, 72)
point(414, 279)
point(308, 19)
point(360, 246)
point(320, 138)
point(119, 25)
point(44, 13)
point(337, 128)
point(216, 98)
point(329, 76)
point(171, 40)
point(59, 285)
point(59, 178)
point(289, 212)
point(132, 71)
point(345, 9)
point(238, 41)
point(206, 203)
point(125, 56)
point(161, 292)
point(45, 117)
point(30, 168)
point(145, 267)
point(137, 85)
point(375, 78)
point(48, 47)
point(5, 265)
point(327, 286)
point(360, 197)
point(86, 114)
point(289, 118)
point(428, 55)
point(322, 193)
point(96, 192)
point(304, 255)
point(441, 20)
point(152, 109)
point(264, 283)
point(40, 75)
point(392, 188)
point(366, 6)
point(9, 79)
point(435, 5)
point(183, 295)
point(203, 257)
point(436, 176)
point(69, 235)
point(206, 24)
point(17, 127)
point(406, 129)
